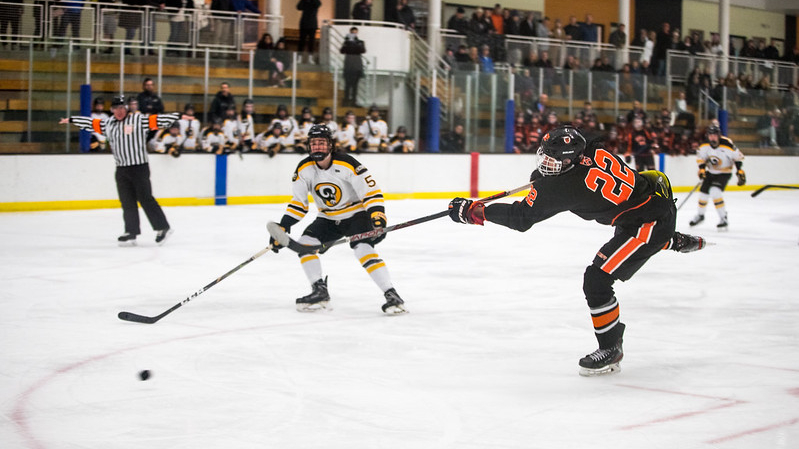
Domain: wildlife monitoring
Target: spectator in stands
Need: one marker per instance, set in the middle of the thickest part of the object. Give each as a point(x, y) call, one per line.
point(149, 101)
point(352, 49)
point(512, 22)
point(715, 45)
point(636, 112)
point(222, 101)
point(263, 52)
point(524, 87)
point(10, 17)
point(611, 142)
point(557, 30)
point(640, 40)
point(486, 62)
point(222, 24)
point(542, 29)
point(588, 30)
point(362, 10)
point(767, 129)
point(528, 26)
point(449, 57)
point(178, 22)
point(681, 112)
point(308, 26)
point(131, 18)
point(189, 129)
point(133, 105)
point(453, 141)
point(541, 107)
point(535, 131)
point(587, 113)
point(661, 46)
point(548, 70)
point(649, 48)
point(69, 15)
point(520, 141)
point(618, 38)
point(531, 59)
point(497, 19)
point(462, 59)
point(572, 30)
point(771, 52)
point(793, 56)
point(552, 121)
point(404, 15)
point(458, 22)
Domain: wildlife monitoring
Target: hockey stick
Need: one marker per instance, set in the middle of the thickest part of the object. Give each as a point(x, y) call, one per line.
point(282, 237)
point(771, 186)
point(689, 195)
point(128, 316)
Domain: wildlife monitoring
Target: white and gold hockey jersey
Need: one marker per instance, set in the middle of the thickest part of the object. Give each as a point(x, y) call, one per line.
point(164, 141)
point(339, 192)
point(719, 160)
point(290, 129)
point(190, 133)
point(375, 133)
point(213, 141)
point(246, 131)
point(346, 137)
point(230, 127)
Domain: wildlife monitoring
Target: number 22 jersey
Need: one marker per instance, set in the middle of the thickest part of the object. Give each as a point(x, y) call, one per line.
point(600, 187)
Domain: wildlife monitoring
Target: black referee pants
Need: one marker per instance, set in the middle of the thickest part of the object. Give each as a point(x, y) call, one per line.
point(133, 186)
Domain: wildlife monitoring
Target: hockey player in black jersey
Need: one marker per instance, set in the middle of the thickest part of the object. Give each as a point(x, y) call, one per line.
point(349, 203)
point(595, 185)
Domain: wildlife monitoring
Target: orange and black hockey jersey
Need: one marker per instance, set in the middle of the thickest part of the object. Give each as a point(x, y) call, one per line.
point(601, 187)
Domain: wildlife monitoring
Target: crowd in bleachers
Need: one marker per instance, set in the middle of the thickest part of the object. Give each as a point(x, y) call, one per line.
point(234, 129)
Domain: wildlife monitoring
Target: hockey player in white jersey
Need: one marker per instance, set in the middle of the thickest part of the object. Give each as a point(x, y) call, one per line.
point(717, 158)
point(246, 124)
point(230, 127)
point(349, 203)
point(374, 132)
point(98, 140)
point(167, 140)
point(289, 127)
point(330, 121)
point(213, 139)
point(189, 129)
point(401, 142)
point(271, 142)
point(303, 127)
point(347, 137)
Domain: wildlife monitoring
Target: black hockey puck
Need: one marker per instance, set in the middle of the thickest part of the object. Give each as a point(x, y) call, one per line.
point(144, 375)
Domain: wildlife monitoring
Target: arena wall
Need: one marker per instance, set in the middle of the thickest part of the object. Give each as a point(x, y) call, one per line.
point(86, 181)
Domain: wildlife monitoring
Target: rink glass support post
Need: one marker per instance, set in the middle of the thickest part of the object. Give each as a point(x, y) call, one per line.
point(85, 110)
point(220, 188)
point(433, 124)
point(474, 175)
point(723, 120)
point(510, 111)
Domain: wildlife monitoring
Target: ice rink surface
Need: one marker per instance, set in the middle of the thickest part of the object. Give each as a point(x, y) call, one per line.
point(486, 358)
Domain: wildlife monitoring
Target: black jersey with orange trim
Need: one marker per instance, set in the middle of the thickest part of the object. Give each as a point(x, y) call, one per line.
point(601, 188)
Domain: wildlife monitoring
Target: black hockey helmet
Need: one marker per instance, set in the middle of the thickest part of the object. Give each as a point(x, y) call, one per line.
point(560, 149)
point(316, 132)
point(713, 129)
point(327, 111)
point(306, 110)
point(281, 107)
point(188, 107)
point(119, 100)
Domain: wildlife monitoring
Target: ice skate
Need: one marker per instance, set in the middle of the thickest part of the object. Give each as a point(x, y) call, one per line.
point(394, 304)
point(160, 236)
point(127, 239)
point(722, 226)
point(684, 243)
point(316, 300)
point(696, 220)
point(602, 361)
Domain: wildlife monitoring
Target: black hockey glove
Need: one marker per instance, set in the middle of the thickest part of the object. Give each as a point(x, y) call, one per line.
point(741, 177)
point(378, 222)
point(274, 243)
point(285, 224)
point(464, 211)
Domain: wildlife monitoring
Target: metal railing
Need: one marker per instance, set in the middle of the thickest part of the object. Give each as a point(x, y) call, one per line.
point(681, 63)
point(53, 23)
point(367, 91)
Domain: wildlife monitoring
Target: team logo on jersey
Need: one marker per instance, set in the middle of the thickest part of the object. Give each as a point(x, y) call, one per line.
point(714, 161)
point(329, 193)
point(586, 161)
point(546, 137)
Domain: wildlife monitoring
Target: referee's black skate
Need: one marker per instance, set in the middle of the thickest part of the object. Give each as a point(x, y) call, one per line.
point(127, 239)
point(394, 304)
point(602, 361)
point(317, 299)
point(161, 235)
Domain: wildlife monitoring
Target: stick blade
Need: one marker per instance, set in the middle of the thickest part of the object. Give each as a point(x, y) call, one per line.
point(278, 233)
point(135, 318)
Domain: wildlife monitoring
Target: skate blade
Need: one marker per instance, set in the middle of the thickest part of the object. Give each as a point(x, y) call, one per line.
point(723, 229)
point(395, 310)
point(127, 244)
point(166, 236)
point(610, 369)
point(308, 308)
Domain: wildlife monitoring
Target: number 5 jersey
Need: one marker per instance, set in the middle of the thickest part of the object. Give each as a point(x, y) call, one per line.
point(340, 192)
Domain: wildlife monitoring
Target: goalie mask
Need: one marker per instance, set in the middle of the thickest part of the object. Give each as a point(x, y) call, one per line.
point(560, 149)
point(320, 152)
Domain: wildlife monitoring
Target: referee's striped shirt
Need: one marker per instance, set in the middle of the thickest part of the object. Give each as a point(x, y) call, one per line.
point(127, 137)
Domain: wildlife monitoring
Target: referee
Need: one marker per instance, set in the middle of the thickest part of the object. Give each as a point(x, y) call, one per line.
point(126, 133)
